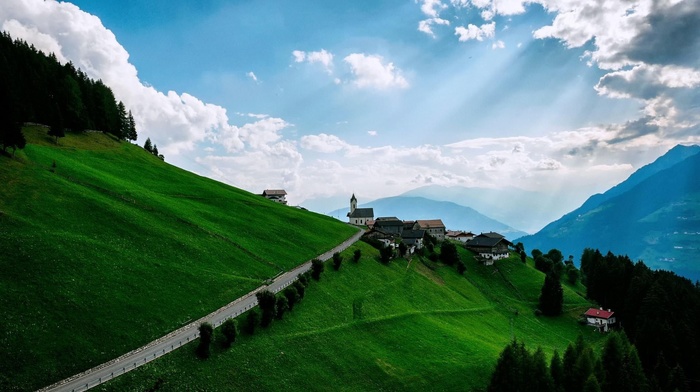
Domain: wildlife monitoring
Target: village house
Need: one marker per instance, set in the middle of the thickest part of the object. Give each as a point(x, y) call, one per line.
point(490, 246)
point(276, 195)
point(434, 227)
point(359, 216)
point(413, 238)
point(389, 225)
point(460, 236)
point(600, 318)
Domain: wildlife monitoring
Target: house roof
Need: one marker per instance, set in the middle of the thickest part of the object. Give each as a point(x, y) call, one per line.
point(413, 234)
point(430, 223)
point(274, 192)
point(362, 213)
point(451, 233)
point(388, 221)
point(599, 313)
point(485, 241)
point(491, 234)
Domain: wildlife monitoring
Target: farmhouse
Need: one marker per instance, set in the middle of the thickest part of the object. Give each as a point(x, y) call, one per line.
point(600, 318)
point(491, 246)
point(460, 236)
point(277, 195)
point(413, 238)
point(359, 216)
point(434, 227)
point(389, 225)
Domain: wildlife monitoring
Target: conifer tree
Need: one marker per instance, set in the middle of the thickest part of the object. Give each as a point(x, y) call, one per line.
point(551, 296)
point(556, 370)
point(132, 135)
point(148, 146)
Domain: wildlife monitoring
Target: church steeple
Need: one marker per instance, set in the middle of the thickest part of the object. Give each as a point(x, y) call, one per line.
point(353, 203)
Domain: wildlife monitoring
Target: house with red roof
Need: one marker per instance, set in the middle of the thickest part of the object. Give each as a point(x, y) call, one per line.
point(600, 318)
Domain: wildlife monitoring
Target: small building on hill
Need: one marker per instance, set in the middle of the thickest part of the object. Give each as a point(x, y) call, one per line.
point(600, 318)
point(434, 227)
point(359, 216)
point(276, 195)
point(490, 246)
point(413, 238)
point(389, 225)
point(460, 236)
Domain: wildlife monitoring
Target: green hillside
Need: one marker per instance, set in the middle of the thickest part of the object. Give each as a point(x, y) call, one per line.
point(403, 326)
point(113, 247)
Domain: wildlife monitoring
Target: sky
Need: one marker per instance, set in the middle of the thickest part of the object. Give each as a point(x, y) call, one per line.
point(324, 99)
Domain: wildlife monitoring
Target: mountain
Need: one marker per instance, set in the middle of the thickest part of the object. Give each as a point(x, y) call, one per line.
point(454, 216)
point(654, 216)
point(513, 206)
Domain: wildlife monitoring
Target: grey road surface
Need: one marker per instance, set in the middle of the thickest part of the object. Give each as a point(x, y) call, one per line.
point(178, 338)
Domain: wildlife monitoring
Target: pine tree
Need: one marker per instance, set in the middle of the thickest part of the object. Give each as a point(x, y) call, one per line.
point(556, 370)
point(123, 131)
point(148, 146)
point(132, 135)
point(552, 296)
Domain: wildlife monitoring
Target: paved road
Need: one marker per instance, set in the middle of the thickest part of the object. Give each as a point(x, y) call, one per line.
point(157, 348)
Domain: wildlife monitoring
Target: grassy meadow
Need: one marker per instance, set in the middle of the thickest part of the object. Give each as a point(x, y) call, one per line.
point(406, 326)
point(112, 248)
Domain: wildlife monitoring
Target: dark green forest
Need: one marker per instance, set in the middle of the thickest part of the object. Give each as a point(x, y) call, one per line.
point(655, 347)
point(35, 87)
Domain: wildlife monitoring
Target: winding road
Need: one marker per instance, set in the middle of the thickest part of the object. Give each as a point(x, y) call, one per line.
point(178, 338)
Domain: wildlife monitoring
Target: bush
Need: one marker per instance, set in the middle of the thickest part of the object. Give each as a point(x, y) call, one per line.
point(304, 278)
point(385, 254)
point(292, 296)
point(251, 321)
point(448, 253)
point(230, 331)
point(461, 268)
point(316, 269)
point(337, 260)
point(281, 306)
point(267, 302)
point(205, 333)
point(300, 288)
point(356, 255)
point(433, 256)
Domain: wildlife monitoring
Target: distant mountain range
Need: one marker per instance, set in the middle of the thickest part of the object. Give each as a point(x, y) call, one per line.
point(454, 216)
point(654, 216)
point(513, 206)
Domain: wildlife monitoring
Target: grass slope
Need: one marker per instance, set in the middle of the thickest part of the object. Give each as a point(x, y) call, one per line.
point(114, 248)
point(421, 327)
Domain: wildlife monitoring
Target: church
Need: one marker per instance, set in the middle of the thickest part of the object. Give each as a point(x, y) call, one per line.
point(359, 216)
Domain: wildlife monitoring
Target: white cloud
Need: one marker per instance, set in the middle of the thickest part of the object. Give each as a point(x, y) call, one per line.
point(498, 45)
point(252, 76)
point(323, 143)
point(473, 32)
point(322, 57)
point(432, 8)
point(425, 26)
point(372, 133)
point(370, 71)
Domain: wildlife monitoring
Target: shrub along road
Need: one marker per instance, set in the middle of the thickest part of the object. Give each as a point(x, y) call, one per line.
point(159, 347)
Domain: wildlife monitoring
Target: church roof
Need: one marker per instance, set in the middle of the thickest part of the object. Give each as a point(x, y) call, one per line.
point(362, 213)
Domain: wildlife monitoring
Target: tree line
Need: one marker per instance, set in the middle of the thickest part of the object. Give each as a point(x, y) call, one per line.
point(659, 310)
point(617, 369)
point(35, 87)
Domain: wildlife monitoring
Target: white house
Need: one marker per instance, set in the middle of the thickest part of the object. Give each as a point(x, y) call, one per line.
point(276, 195)
point(600, 318)
point(460, 236)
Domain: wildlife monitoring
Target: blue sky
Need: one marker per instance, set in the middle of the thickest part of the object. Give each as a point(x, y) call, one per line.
point(562, 97)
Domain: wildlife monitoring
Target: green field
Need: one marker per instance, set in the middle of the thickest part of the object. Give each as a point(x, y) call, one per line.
point(114, 247)
point(404, 326)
